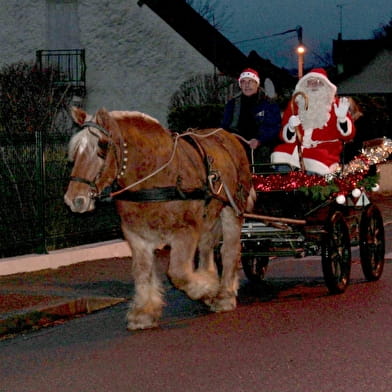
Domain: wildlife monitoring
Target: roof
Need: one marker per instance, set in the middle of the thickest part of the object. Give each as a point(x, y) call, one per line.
point(351, 56)
point(213, 45)
point(374, 78)
point(363, 66)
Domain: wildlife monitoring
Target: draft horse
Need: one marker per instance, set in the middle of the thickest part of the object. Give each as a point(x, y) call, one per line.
point(185, 191)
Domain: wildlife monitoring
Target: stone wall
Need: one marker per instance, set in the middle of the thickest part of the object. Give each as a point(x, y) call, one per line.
point(135, 61)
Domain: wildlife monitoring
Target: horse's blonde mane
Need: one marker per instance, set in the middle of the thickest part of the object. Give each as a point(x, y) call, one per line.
point(84, 140)
point(121, 114)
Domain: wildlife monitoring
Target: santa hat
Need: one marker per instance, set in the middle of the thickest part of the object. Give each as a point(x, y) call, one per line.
point(316, 73)
point(249, 73)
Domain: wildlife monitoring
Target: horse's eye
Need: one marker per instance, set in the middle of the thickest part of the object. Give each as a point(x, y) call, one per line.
point(103, 145)
point(103, 148)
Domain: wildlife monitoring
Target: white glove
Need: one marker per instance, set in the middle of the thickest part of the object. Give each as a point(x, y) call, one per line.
point(294, 121)
point(341, 109)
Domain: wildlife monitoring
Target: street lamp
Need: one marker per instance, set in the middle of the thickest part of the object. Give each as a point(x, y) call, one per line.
point(300, 48)
point(300, 52)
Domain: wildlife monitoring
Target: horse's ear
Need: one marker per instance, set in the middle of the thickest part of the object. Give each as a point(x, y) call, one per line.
point(103, 118)
point(78, 115)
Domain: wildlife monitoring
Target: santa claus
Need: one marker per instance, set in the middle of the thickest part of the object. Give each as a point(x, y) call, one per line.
point(314, 126)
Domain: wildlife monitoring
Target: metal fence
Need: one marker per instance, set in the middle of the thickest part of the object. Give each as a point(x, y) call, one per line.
point(34, 173)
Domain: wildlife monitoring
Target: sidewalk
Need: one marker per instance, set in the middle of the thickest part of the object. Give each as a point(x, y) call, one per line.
point(30, 300)
point(41, 298)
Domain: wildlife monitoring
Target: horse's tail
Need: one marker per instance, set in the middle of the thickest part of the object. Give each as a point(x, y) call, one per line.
point(250, 202)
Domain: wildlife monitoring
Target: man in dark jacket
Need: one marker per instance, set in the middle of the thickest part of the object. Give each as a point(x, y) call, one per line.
point(254, 117)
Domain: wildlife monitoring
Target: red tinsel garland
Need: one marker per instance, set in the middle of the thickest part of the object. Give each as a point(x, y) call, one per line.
point(298, 179)
point(344, 180)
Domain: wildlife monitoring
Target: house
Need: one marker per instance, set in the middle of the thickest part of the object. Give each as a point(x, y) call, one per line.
point(364, 70)
point(363, 66)
point(114, 54)
point(126, 54)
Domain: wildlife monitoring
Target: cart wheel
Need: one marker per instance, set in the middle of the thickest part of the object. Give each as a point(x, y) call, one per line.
point(255, 267)
point(372, 243)
point(336, 254)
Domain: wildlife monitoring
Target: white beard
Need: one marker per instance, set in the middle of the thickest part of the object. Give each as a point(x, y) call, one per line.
point(319, 107)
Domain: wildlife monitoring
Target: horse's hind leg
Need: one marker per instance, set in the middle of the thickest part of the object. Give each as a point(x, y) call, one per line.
point(198, 284)
point(209, 239)
point(226, 298)
point(146, 307)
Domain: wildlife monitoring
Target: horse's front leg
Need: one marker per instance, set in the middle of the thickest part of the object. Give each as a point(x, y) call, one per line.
point(226, 298)
point(145, 309)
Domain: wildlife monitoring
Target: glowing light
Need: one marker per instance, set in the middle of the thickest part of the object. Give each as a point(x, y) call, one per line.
point(341, 199)
point(356, 192)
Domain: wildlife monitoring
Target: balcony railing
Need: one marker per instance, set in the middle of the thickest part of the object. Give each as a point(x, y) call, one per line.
point(70, 65)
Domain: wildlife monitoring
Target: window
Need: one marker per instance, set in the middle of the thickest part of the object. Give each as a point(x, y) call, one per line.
point(63, 24)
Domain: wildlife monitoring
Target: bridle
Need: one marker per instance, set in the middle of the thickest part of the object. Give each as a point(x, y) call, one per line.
point(94, 192)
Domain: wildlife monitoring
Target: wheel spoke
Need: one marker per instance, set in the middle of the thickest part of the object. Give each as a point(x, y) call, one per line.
point(372, 243)
point(336, 254)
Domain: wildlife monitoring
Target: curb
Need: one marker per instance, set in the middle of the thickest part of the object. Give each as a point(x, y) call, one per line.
point(44, 316)
point(64, 257)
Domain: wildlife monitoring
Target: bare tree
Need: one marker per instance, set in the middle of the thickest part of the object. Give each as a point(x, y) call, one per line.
point(217, 15)
point(385, 33)
point(204, 89)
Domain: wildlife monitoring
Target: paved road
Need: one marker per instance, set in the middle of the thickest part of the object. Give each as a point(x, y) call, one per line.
point(289, 336)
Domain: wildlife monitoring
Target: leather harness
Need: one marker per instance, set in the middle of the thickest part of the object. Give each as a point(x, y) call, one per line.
point(170, 193)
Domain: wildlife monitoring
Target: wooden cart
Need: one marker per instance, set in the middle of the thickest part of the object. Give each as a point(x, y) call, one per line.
point(292, 222)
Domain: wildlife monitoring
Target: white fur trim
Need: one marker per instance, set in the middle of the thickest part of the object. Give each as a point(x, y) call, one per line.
point(311, 165)
point(284, 157)
point(317, 167)
point(249, 75)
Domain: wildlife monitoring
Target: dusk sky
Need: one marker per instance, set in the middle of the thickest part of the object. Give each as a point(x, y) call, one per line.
point(320, 20)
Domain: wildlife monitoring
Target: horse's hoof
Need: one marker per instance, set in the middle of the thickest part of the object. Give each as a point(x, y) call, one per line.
point(223, 304)
point(134, 326)
point(138, 327)
point(204, 285)
point(141, 321)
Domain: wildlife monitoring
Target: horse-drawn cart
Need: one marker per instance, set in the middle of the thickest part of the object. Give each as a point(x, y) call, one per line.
point(297, 214)
point(188, 191)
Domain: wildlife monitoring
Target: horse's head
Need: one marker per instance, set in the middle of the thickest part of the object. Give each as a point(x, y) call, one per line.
point(93, 153)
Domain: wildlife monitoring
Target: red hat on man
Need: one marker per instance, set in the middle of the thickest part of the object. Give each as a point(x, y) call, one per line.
point(249, 73)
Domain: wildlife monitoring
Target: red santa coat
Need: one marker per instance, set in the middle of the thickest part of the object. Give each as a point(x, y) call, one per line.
point(324, 144)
